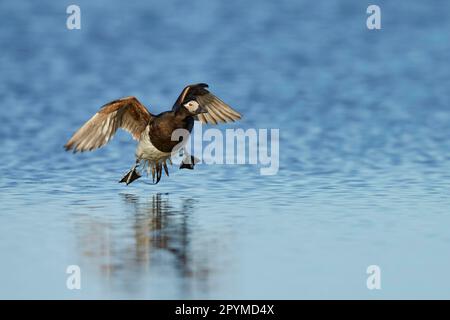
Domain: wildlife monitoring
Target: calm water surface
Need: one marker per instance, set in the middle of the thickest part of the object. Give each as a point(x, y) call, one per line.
point(364, 151)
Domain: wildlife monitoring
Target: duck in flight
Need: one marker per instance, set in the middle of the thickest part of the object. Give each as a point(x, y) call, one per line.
point(153, 132)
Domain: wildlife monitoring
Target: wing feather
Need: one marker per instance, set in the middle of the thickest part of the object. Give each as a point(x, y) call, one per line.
point(126, 113)
point(217, 110)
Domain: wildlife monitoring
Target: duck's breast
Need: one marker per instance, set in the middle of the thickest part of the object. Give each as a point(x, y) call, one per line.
point(148, 151)
point(164, 132)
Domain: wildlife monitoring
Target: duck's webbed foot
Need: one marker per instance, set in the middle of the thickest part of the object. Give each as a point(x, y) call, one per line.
point(131, 175)
point(189, 162)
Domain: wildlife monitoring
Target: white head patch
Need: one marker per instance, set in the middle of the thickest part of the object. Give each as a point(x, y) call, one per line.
point(192, 106)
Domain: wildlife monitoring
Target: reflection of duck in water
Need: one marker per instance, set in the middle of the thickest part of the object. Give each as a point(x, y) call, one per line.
point(158, 226)
point(154, 132)
point(158, 237)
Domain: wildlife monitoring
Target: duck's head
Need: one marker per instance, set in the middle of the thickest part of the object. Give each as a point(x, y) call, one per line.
point(194, 108)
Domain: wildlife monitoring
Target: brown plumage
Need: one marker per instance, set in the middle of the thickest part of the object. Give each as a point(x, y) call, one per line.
point(126, 113)
point(154, 133)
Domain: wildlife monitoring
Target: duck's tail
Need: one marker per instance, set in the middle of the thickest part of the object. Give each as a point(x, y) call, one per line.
point(156, 168)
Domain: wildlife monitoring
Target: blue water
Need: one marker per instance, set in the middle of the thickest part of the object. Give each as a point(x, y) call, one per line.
point(364, 151)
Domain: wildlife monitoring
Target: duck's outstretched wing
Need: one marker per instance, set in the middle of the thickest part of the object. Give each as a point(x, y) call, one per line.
point(126, 113)
point(218, 111)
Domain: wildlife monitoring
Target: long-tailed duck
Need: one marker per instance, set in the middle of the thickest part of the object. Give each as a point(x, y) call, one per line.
point(154, 132)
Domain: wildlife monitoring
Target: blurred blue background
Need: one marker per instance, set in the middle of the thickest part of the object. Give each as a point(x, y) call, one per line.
point(364, 151)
